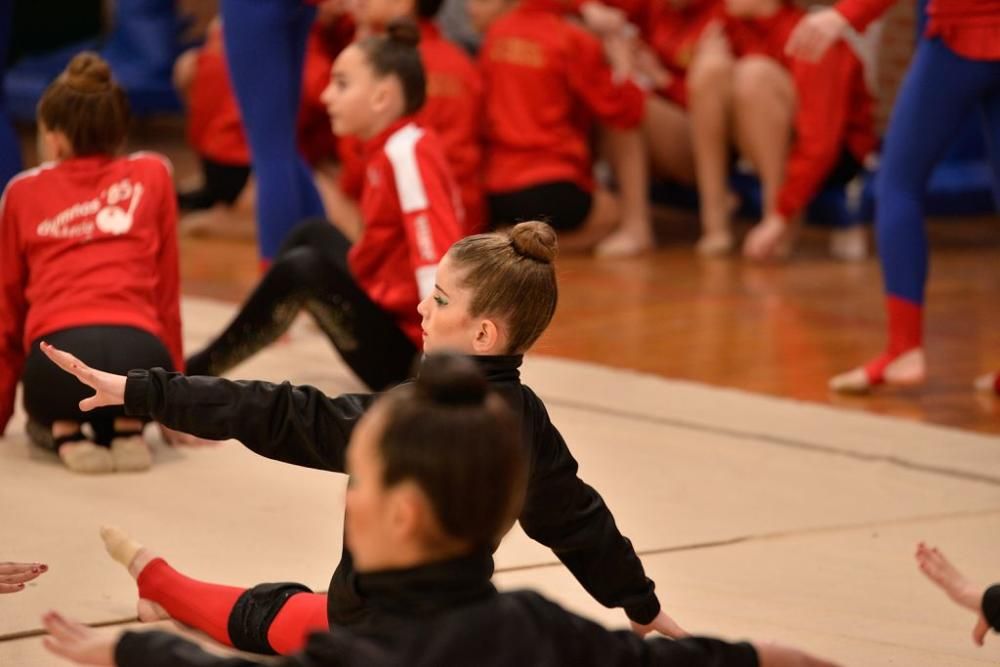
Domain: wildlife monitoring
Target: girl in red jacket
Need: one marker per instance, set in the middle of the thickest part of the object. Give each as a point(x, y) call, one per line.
point(800, 124)
point(88, 257)
point(364, 297)
point(548, 84)
point(453, 109)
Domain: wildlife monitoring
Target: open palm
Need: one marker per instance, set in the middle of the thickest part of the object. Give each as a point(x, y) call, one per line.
point(109, 388)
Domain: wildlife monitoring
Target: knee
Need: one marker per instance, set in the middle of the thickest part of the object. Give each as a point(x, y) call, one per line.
point(298, 268)
point(710, 74)
point(757, 76)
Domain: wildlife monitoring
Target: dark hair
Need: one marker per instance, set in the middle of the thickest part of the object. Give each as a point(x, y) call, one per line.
point(428, 9)
point(87, 105)
point(511, 276)
point(395, 53)
point(457, 439)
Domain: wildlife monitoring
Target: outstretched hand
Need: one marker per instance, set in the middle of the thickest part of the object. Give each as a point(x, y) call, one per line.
point(963, 592)
point(662, 624)
point(110, 388)
point(77, 642)
point(815, 33)
point(13, 576)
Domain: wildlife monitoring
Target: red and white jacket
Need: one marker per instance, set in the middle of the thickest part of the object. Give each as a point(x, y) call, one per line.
point(87, 241)
point(547, 82)
point(453, 110)
point(411, 209)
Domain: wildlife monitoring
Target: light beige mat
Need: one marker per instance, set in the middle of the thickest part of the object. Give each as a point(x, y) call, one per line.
point(692, 474)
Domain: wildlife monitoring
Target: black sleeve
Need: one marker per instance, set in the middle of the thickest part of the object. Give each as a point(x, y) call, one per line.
point(568, 516)
point(991, 606)
point(164, 649)
point(298, 425)
point(587, 643)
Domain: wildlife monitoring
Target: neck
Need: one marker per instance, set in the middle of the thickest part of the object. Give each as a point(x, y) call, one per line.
point(409, 556)
point(379, 125)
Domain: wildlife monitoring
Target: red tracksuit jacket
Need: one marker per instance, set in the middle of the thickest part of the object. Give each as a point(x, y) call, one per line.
point(454, 111)
point(971, 28)
point(546, 82)
point(412, 214)
point(833, 106)
point(87, 241)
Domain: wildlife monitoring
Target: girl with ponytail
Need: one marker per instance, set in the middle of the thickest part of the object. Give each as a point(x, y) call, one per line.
point(88, 259)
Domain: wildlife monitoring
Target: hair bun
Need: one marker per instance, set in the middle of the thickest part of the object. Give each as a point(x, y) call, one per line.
point(87, 72)
point(447, 378)
point(535, 240)
point(404, 31)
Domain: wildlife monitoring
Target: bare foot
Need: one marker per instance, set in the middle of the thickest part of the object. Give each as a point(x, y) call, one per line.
point(769, 240)
point(850, 244)
point(940, 570)
point(715, 244)
point(624, 243)
point(907, 370)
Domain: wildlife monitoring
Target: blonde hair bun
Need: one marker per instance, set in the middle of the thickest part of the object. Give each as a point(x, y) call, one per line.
point(535, 240)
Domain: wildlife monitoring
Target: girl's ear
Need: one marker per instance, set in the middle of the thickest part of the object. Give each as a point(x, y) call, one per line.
point(488, 338)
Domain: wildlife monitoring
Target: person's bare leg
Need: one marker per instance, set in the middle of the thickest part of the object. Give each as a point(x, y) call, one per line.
point(763, 113)
point(602, 219)
point(630, 162)
point(667, 131)
point(710, 99)
point(185, 69)
point(135, 558)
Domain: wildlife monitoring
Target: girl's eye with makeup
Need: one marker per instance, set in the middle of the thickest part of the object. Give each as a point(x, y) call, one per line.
point(439, 301)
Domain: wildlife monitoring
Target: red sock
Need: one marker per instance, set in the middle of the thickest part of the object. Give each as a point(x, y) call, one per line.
point(906, 332)
point(302, 614)
point(996, 383)
point(197, 604)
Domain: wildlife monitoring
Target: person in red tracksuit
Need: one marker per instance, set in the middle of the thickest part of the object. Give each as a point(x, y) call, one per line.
point(800, 124)
point(453, 109)
point(548, 84)
point(364, 297)
point(215, 129)
point(88, 260)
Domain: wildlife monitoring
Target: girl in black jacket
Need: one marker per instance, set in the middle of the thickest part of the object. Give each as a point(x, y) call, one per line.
point(438, 475)
point(494, 296)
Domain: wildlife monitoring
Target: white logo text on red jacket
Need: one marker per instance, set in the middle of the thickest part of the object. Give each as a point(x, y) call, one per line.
point(102, 212)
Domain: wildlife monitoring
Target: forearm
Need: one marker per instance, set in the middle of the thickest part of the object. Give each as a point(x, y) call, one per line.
point(297, 425)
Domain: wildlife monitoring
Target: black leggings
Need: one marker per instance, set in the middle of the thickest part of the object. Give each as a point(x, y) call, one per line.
point(223, 183)
point(51, 394)
point(311, 273)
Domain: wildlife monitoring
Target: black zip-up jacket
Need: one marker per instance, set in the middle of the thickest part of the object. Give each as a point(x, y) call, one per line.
point(448, 613)
point(302, 426)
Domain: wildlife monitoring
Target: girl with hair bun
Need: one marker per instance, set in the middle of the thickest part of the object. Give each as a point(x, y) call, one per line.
point(493, 297)
point(88, 259)
point(438, 475)
point(363, 297)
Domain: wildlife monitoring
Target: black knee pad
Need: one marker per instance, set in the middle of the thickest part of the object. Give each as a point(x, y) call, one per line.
point(254, 612)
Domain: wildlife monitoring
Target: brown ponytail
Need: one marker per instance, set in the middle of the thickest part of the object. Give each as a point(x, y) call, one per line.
point(87, 105)
point(395, 53)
